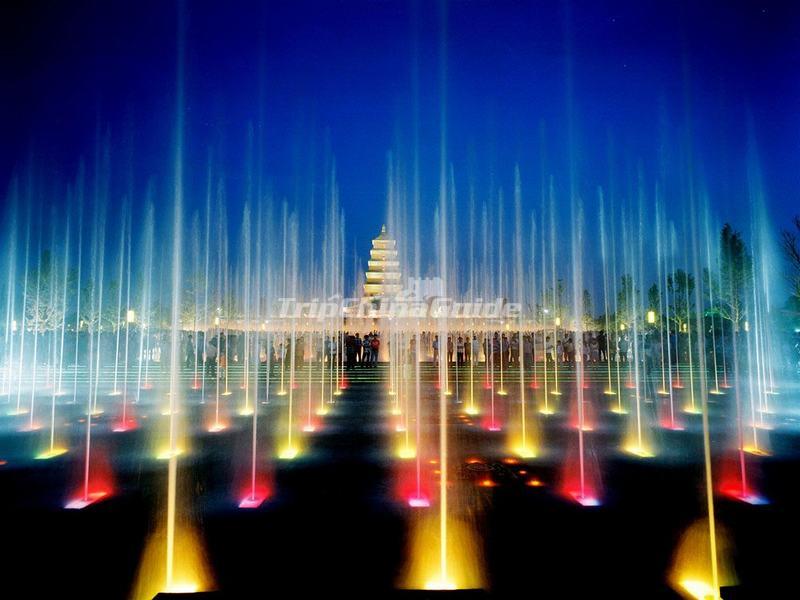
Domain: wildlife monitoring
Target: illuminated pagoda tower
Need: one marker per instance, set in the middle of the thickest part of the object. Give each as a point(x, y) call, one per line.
point(383, 274)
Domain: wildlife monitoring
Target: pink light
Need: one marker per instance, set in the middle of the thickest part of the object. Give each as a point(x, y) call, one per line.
point(252, 501)
point(747, 497)
point(584, 499)
point(122, 427)
point(79, 503)
point(419, 502)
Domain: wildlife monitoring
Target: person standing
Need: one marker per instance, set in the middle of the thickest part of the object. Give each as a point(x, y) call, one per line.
point(460, 351)
point(375, 344)
point(476, 349)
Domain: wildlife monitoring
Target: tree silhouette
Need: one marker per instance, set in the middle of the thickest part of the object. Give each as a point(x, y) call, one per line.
point(736, 271)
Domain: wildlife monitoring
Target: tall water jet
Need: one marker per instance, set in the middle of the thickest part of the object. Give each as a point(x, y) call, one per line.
point(526, 445)
point(184, 571)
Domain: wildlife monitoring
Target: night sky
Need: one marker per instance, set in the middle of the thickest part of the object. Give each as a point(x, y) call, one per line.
point(336, 79)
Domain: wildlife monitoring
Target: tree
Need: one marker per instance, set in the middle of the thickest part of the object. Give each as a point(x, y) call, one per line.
point(627, 297)
point(588, 319)
point(45, 308)
point(653, 297)
point(791, 247)
point(680, 286)
point(736, 271)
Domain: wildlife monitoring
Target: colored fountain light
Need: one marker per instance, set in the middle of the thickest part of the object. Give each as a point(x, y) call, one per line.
point(755, 450)
point(524, 452)
point(700, 590)
point(419, 501)
point(584, 499)
point(167, 454)
point(406, 452)
point(440, 584)
point(122, 427)
point(252, 500)
point(288, 453)
point(748, 497)
point(182, 587)
point(51, 453)
point(637, 450)
point(84, 501)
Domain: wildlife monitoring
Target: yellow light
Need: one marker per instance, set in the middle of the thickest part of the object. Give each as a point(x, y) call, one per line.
point(439, 584)
point(558, 321)
point(462, 568)
point(216, 321)
point(755, 451)
point(166, 454)
point(406, 452)
point(182, 588)
point(131, 316)
point(691, 574)
point(622, 327)
point(525, 452)
point(701, 590)
point(685, 327)
point(288, 453)
point(639, 451)
point(651, 316)
point(191, 572)
point(51, 453)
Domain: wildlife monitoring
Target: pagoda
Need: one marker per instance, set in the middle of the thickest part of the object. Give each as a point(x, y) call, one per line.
point(383, 274)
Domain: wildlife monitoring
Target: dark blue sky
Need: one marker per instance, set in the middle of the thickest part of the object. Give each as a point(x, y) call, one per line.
point(335, 78)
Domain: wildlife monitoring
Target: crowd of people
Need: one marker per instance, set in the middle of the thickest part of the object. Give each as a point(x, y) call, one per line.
point(497, 349)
